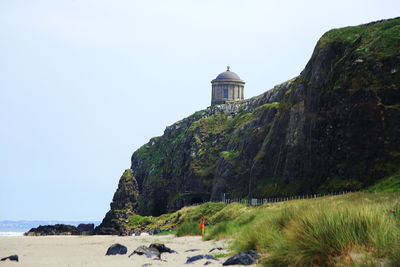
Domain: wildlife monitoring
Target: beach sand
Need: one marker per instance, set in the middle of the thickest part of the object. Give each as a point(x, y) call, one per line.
point(90, 250)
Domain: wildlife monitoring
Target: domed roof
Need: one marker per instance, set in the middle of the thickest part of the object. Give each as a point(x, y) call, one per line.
point(228, 75)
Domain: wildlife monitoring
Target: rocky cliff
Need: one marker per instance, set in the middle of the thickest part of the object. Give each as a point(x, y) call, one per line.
point(123, 205)
point(334, 127)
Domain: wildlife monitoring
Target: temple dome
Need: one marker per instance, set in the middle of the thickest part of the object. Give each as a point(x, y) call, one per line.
point(227, 87)
point(228, 75)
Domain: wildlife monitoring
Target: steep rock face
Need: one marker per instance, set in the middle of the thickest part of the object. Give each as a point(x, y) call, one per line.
point(334, 127)
point(123, 205)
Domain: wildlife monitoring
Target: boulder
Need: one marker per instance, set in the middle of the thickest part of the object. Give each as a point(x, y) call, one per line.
point(11, 258)
point(126, 233)
point(154, 231)
point(116, 249)
point(148, 252)
point(161, 248)
point(243, 258)
point(86, 229)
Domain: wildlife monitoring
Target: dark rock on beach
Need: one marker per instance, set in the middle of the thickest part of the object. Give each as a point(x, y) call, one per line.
point(153, 251)
point(213, 249)
point(117, 249)
point(243, 258)
point(106, 231)
point(199, 257)
point(62, 229)
point(154, 231)
point(86, 229)
point(161, 248)
point(192, 250)
point(57, 229)
point(148, 252)
point(11, 258)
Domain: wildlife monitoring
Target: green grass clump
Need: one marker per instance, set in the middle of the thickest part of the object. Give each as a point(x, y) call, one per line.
point(194, 214)
point(137, 221)
point(388, 184)
point(143, 223)
point(221, 230)
point(230, 155)
point(222, 255)
point(325, 237)
point(269, 105)
point(188, 228)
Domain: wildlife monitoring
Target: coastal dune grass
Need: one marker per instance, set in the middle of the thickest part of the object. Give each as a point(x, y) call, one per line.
point(356, 229)
point(325, 236)
point(350, 231)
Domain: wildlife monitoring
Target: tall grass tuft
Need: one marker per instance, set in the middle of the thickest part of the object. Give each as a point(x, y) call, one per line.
point(324, 233)
point(320, 237)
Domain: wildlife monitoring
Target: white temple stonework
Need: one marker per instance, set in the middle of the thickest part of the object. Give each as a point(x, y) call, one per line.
point(227, 87)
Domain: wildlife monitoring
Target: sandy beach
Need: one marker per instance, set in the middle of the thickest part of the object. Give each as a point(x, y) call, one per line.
point(90, 250)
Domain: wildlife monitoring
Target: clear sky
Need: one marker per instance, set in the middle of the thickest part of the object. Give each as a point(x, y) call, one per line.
point(83, 84)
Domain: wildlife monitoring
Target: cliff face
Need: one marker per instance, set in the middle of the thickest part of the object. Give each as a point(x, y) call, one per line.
point(334, 127)
point(123, 205)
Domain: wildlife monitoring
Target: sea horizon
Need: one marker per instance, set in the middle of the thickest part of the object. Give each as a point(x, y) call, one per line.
point(19, 227)
point(11, 233)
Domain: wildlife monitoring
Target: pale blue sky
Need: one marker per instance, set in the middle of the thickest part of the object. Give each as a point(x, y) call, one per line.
point(83, 84)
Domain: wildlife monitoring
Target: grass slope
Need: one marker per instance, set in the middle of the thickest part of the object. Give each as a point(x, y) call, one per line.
point(388, 184)
point(357, 229)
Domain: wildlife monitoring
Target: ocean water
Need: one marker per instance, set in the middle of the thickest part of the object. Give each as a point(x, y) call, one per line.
point(18, 228)
point(11, 233)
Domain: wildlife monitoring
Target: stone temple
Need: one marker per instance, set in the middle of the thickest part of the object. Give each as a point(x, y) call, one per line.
point(227, 87)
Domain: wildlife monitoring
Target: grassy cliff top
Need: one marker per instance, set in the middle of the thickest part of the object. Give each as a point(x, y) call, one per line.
point(376, 39)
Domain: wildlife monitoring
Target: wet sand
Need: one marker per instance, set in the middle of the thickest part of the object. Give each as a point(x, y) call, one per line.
point(90, 250)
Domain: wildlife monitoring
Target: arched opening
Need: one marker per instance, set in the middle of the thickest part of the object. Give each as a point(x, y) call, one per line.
point(196, 200)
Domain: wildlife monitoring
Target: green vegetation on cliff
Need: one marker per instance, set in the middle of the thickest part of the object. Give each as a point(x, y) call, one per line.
point(375, 39)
